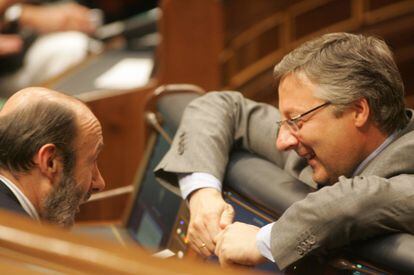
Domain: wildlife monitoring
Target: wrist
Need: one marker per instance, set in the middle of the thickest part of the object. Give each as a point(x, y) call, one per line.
point(204, 191)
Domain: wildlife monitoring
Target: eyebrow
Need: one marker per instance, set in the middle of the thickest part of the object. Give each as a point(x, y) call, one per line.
point(287, 114)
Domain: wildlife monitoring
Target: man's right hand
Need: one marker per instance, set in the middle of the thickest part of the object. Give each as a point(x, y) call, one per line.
point(209, 214)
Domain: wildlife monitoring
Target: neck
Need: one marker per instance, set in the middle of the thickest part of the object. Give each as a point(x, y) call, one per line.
point(375, 139)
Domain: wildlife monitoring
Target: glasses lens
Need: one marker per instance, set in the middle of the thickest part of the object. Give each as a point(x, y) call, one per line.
point(292, 125)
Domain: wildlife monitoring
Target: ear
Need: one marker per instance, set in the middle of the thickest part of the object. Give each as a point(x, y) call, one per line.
point(48, 160)
point(362, 111)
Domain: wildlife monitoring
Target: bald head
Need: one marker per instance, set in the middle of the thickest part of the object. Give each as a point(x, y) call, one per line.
point(49, 145)
point(34, 117)
point(35, 95)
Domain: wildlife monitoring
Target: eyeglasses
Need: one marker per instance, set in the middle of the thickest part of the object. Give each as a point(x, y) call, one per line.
point(295, 123)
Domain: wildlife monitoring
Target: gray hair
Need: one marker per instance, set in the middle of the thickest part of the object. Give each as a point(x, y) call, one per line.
point(348, 67)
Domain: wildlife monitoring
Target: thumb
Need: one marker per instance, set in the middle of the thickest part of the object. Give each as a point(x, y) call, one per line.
point(227, 216)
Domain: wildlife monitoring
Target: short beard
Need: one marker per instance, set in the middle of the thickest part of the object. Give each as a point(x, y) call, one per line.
point(61, 205)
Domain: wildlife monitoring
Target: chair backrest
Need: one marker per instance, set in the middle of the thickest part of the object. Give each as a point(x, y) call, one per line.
point(151, 212)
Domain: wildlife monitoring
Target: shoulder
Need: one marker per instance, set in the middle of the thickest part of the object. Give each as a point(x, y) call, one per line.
point(397, 158)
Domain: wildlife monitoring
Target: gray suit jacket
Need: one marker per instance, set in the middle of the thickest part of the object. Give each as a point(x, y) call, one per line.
point(378, 201)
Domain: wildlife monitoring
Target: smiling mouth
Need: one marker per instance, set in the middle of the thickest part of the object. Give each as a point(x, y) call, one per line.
point(309, 156)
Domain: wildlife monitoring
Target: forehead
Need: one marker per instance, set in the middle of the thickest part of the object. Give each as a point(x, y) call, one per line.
point(89, 134)
point(296, 94)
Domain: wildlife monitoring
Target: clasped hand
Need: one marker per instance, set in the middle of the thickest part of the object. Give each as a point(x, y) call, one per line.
point(211, 230)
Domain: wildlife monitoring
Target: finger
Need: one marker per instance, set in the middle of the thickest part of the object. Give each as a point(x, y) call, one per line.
point(199, 229)
point(224, 260)
point(201, 249)
point(199, 240)
point(227, 216)
point(218, 240)
point(213, 227)
point(195, 248)
point(218, 237)
point(204, 250)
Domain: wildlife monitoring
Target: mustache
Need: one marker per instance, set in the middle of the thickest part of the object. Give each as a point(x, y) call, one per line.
point(86, 197)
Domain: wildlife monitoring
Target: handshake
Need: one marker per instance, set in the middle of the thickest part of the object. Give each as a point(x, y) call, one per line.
point(212, 231)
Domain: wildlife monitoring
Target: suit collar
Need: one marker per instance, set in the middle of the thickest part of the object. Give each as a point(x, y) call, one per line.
point(6, 190)
point(396, 158)
point(21, 198)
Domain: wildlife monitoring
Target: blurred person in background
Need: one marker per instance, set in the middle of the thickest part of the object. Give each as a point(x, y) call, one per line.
point(39, 41)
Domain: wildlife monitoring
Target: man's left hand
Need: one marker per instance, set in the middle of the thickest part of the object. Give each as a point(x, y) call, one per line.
point(10, 44)
point(67, 16)
point(236, 244)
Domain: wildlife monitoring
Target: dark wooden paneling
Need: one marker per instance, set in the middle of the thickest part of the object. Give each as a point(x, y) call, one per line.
point(192, 39)
point(240, 15)
point(377, 4)
point(125, 135)
point(407, 69)
point(321, 17)
point(252, 38)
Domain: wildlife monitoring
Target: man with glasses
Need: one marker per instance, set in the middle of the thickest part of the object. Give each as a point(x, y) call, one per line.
point(341, 126)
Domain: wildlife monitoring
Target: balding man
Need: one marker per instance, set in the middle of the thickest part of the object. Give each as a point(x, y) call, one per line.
point(49, 144)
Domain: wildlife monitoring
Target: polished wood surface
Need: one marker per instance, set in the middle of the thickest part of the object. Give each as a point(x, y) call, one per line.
point(29, 247)
point(192, 39)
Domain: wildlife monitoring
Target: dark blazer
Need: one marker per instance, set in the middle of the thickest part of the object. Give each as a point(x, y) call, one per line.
point(8, 200)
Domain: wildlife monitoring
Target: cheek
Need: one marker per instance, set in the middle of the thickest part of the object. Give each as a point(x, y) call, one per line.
point(84, 179)
point(326, 132)
point(335, 149)
point(324, 141)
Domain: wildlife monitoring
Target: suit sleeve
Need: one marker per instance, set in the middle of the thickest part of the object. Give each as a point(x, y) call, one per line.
point(350, 210)
point(211, 126)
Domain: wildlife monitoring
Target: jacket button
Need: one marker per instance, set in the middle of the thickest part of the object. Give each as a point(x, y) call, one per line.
point(300, 250)
point(180, 150)
point(304, 245)
point(311, 239)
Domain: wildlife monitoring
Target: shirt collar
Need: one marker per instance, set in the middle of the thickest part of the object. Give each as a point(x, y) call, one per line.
point(377, 151)
point(23, 200)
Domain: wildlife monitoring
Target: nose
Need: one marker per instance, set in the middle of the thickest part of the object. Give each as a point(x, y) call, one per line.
point(98, 183)
point(286, 140)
